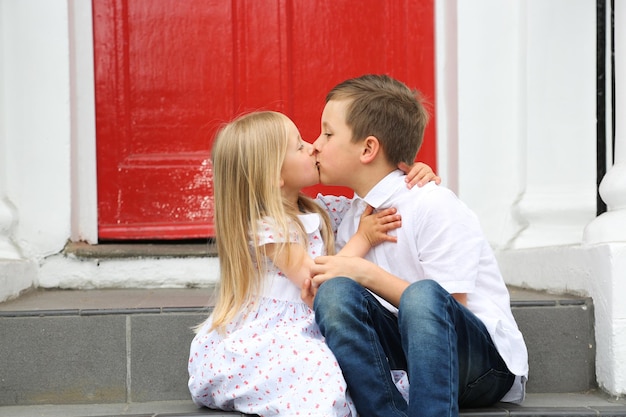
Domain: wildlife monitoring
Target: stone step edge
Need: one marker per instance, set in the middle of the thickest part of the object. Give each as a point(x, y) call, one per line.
point(180, 300)
point(592, 403)
point(209, 309)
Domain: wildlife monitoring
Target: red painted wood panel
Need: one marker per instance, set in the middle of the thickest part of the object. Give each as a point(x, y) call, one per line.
point(169, 72)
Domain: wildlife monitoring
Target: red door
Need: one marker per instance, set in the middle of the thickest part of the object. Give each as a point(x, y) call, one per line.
point(169, 72)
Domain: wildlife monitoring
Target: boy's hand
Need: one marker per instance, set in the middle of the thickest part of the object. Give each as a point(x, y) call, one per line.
point(374, 227)
point(419, 173)
point(329, 267)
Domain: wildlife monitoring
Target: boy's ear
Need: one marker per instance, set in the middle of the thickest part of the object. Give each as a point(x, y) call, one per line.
point(371, 148)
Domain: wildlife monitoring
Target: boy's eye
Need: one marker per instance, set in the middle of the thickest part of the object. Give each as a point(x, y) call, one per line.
point(328, 134)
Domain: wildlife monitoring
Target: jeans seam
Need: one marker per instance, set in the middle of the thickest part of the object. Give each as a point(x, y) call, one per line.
point(451, 357)
point(373, 336)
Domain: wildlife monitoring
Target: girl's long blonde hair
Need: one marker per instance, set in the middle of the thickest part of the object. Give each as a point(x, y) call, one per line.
point(248, 154)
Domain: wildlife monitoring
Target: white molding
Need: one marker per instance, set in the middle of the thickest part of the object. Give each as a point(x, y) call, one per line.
point(446, 92)
point(83, 123)
point(553, 216)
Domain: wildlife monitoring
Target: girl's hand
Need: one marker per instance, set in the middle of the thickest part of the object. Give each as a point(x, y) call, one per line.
point(307, 292)
point(419, 173)
point(374, 227)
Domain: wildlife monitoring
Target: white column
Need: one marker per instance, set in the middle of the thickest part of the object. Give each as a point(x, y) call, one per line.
point(611, 226)
point(605, 237)
point(558, 118)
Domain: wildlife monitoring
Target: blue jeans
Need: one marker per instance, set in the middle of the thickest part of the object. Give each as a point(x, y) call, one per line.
point(445, 349)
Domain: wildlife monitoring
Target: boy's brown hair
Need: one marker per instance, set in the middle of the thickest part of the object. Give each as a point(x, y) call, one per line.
point(387, 109)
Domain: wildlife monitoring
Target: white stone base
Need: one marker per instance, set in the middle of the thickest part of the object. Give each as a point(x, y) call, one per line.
point(16, 276)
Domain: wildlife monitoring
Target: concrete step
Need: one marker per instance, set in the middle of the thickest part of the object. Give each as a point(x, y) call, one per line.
point(131, 346)
point(586, 404)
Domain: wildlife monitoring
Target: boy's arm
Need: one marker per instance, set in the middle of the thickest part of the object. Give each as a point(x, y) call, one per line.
point(366, 273)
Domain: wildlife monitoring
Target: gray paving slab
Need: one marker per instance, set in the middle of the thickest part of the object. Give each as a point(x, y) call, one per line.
point(62, 359)
point(561, 345)
point(159, 355)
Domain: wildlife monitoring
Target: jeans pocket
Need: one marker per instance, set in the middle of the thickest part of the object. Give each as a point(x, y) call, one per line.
point(487, 390)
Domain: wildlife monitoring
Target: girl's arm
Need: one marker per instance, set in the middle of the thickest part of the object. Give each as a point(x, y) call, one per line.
point(293, 260)
point(419, 173)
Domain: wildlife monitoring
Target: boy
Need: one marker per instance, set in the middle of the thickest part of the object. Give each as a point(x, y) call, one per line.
point(433, 304)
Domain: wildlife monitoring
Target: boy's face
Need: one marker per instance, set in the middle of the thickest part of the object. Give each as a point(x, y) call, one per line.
point(337, 155)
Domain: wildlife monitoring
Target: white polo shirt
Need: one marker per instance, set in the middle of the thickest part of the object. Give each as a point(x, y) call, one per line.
point(441, 239)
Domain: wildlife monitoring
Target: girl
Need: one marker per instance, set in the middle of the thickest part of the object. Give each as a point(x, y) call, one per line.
point(260, 351)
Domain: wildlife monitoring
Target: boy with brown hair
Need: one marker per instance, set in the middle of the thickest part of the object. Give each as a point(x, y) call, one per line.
point(434, 304)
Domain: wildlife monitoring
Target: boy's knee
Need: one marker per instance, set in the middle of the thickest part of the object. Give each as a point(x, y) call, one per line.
point(331, 304)
point(423, 290)
point(422, 296)
point(331, 293)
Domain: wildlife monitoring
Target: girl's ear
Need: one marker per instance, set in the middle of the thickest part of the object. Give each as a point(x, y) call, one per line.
point(370, 149)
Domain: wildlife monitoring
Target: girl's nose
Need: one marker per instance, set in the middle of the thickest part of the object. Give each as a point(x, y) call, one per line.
point(317, 145)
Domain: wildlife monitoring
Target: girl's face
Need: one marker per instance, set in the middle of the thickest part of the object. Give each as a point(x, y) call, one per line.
point(299, 168)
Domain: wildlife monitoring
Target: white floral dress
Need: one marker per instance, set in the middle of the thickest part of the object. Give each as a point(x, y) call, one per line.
point(272, 360)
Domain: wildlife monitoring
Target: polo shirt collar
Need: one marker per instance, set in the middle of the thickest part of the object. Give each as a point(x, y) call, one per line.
point(383, 190)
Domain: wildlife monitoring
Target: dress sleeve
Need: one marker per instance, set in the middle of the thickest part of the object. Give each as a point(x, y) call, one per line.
point(336, 207)
point(267, 232)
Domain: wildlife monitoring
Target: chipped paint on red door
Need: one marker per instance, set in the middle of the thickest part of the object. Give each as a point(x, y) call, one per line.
point(169, 72)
